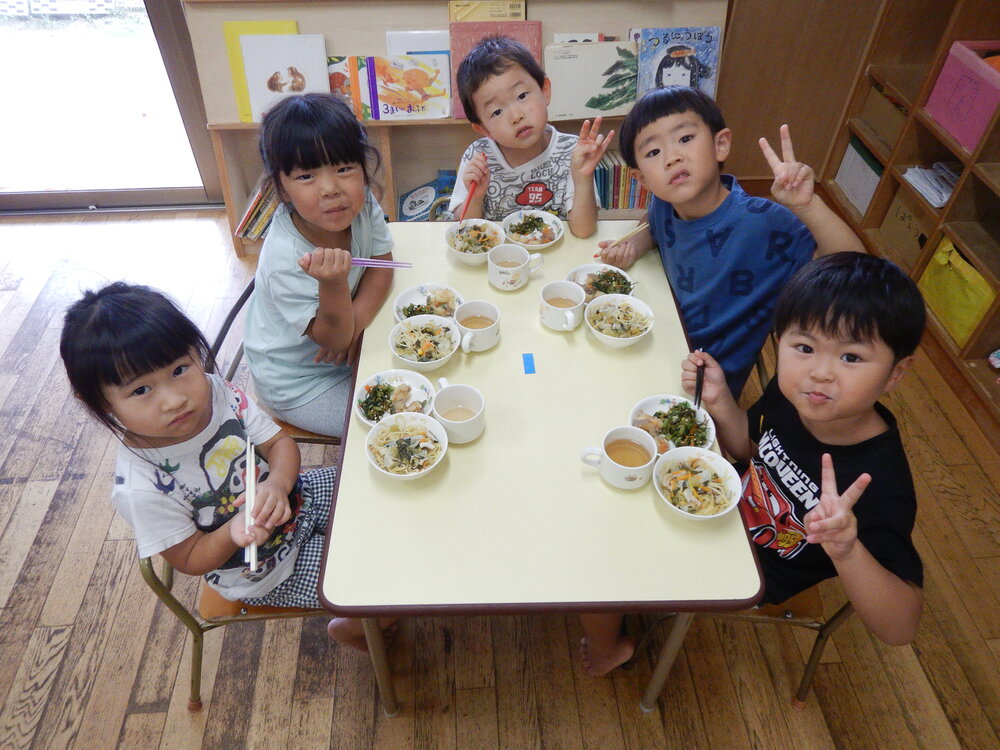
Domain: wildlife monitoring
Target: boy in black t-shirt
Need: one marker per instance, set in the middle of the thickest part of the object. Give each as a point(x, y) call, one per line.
point(828, 491)
point(847, 327)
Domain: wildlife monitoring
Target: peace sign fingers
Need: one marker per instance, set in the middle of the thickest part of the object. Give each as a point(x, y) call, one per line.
point(793, 181)
point(829, 496)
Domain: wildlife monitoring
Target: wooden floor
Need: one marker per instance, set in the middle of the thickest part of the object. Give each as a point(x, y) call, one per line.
point(89, 659)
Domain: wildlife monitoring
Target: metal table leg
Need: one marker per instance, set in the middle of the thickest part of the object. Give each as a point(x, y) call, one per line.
point(682, 621)
point(383, 675)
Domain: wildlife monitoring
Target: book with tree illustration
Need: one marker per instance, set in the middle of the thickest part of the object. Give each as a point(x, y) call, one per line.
point(466, 35)
point(591, 79)
point(409, 87)
point(277, 65)
point(684, 56)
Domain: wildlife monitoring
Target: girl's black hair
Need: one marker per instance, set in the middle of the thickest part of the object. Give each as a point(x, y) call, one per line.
point(119, 332)
point(663, 102)
point(491, 57)
point(682, 56)
point(307, 131)
point(853, 294)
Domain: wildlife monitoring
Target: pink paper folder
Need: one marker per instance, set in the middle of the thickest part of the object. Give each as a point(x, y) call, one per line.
point(966, 93)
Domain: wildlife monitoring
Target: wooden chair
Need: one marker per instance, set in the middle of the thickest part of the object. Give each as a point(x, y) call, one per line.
point(805, 610)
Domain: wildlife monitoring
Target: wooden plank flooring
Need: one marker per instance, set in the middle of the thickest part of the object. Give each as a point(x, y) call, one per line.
point(89, 659)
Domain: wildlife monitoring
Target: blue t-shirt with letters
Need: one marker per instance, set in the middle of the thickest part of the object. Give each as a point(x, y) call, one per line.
point(726, 270)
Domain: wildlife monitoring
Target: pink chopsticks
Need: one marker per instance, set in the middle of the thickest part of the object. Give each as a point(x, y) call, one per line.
point(376, 263)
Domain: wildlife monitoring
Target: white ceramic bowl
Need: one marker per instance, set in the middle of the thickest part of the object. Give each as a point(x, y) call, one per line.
point(417, 295)
point(731, 480)
point(580, 273)
point(421, 390)
point(617, 300)
point(473, 259)
point(417, 321)
point(663, 402)
point(429, 424)
point(553, 221)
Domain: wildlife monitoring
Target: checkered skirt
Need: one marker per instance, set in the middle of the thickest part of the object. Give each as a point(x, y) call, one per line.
point(301, 588)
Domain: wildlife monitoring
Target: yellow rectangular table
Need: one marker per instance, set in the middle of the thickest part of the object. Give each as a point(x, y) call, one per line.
point(514, 522)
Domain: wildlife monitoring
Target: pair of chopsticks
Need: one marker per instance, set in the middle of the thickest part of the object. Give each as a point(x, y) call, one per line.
point(699, 383)
point(376, 263)
point(633, 233)
point(250, 551)
point(465, 206)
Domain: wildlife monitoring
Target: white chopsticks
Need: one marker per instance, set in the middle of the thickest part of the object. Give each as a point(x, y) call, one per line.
point(376, 263)
point(250, 551)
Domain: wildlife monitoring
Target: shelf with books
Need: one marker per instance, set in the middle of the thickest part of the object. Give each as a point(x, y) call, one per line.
point(958, 243)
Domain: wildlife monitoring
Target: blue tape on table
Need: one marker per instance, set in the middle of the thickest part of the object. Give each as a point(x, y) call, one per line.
point(529, 363)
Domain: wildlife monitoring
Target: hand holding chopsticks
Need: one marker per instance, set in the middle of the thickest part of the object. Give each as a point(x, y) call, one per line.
point(250, 551)
point(628, 235)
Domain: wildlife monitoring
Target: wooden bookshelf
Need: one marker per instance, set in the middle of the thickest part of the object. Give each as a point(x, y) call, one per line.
point(909, 47)
point(412, 151)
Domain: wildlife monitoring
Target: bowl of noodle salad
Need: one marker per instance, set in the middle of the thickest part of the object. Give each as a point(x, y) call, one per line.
point(424, 342)
point(406, 445)
point(469, 241)
point(618, 320)
point(696, 483)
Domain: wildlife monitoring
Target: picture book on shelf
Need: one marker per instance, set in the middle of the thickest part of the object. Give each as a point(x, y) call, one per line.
point(591, 79)
point(683, 56)
point(232, 31)
point(409, 87)
point(465, 36)
point(277, 65)
point(338, 69)
point(410, 42)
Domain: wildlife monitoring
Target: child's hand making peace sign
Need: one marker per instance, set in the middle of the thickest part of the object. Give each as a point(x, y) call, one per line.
point(832, 523)
point(793, 180)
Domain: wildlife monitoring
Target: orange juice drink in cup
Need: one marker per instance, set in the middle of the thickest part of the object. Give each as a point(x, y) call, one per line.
point(508, 266)
point(478, 324)
point(625, 458)
point(461, 410)
point(561, 305)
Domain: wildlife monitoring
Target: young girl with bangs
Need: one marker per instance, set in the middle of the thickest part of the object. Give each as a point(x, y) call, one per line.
point(138, 365)
point(309, 304)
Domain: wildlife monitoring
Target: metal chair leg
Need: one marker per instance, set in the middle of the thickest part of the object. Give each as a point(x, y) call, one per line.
point(822, 636)
point(665, 660)
point(163, 592)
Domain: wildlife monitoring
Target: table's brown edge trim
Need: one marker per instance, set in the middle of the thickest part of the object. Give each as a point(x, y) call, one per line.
point(521, 608)
point(336, 484)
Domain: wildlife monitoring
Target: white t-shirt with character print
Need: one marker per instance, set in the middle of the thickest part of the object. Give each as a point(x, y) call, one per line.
point(168, 494)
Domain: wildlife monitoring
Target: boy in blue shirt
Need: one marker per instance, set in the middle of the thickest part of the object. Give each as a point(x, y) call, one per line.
point(827, 490)
point(521, 161)
point(727, 254)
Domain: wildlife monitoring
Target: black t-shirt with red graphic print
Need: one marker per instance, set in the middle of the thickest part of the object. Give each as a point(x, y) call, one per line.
point(782, 485)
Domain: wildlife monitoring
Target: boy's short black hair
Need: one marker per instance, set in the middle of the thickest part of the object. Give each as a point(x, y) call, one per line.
point(491, 57)
point(862, 296)
point(308, 131)
point(662, 102)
